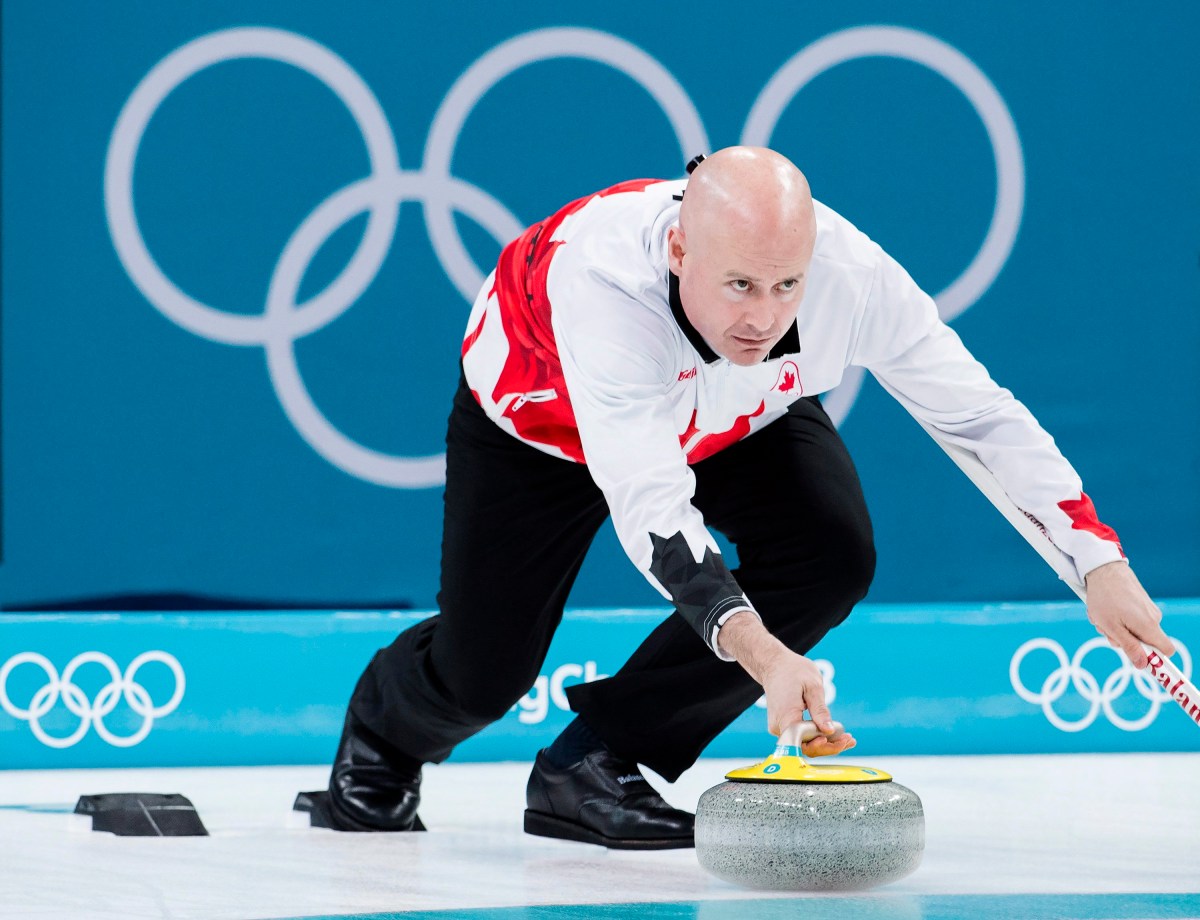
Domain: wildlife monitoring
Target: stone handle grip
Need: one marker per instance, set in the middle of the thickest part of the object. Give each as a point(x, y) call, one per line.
point(794, 735)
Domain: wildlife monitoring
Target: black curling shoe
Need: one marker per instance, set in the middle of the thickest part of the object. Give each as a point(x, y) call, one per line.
point(606, 801)
point(367, 792)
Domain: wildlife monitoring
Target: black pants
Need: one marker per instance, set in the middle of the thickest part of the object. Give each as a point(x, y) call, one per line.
point(518, 524)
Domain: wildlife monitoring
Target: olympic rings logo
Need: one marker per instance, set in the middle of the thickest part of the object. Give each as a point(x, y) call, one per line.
point(93, 712)
point(380, 193)
point(1100, 698)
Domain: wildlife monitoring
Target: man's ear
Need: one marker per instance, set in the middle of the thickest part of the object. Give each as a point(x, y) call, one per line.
point(675, 249)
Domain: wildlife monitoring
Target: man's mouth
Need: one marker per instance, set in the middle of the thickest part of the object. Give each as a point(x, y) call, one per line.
point(751, 343)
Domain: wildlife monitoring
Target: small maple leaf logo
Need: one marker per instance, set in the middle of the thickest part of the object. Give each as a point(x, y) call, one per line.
point(789, 379)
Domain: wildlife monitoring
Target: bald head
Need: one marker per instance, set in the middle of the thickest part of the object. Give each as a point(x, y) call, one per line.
point(742, 248)
point(749, 191)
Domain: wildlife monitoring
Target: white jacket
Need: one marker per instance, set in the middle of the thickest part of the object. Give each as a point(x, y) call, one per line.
point(578, 346)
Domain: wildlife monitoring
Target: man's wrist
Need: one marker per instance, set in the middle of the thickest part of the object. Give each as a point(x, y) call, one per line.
point(744, 612)
point(731, 632)
point(746, 638)
point(1105, 569)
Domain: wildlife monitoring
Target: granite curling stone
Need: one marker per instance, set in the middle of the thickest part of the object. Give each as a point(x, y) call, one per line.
point(786, 824)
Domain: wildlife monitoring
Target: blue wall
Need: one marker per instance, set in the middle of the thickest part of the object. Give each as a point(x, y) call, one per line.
point(174, 689)
point(145, 448)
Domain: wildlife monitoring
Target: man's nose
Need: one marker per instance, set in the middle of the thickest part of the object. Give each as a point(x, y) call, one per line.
point(758, 315)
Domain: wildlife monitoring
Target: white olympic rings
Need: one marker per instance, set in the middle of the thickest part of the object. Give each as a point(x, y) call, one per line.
point(1099, 697)
point(91, 712)
point(958, 69)
point(380, 194)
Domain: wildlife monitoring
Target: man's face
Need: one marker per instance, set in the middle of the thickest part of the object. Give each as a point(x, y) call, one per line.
point(741, 290)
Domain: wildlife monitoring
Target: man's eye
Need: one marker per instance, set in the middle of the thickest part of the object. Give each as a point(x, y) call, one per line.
point(740, 284)
point(789, 285)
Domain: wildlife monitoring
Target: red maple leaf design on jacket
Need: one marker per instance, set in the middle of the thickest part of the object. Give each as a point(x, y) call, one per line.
point(789, 379)
point(1083, 516)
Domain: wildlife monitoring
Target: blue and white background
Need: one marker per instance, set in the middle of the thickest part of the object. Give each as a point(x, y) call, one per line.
point(240, 240)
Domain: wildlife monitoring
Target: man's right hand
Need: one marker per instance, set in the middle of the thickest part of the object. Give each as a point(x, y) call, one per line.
point(791, 682)
point(794, 684)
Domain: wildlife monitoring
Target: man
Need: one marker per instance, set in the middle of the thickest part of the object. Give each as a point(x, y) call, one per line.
point(656, 356)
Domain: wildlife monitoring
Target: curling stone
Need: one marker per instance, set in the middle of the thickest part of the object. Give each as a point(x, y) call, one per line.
point(790, 825)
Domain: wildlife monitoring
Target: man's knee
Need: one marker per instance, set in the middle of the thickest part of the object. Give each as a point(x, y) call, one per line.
point(804, 588)
point(834, 561)
point(850, 556)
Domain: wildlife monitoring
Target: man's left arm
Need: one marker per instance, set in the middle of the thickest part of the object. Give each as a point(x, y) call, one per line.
point(926, 367)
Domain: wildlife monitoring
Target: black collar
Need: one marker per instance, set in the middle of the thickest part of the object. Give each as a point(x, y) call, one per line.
point(706, 354)
point(788, 345)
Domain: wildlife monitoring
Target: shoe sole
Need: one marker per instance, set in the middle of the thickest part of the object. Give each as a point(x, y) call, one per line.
point(541, 824)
